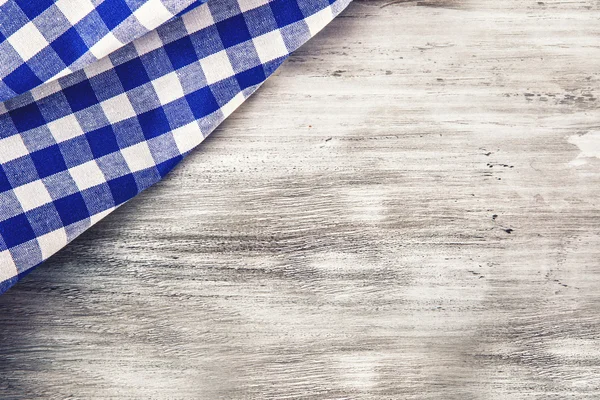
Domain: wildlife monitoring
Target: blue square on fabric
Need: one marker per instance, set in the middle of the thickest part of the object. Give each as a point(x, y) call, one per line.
point(243, 56)
point(71, 208)
point(202, 102)
point(166, 166)
point(113, 12)
point(16, 230)
point(233, 30)
point(125, 53)
point(251, 77)
point(129, 28)
point(123, 188)
point(7, 127)
point(143, 98)
point(92, 118)
point(33, 8)
point(76, 151)
point(98, 198)
point(181, 52)
point(52, 22)
point(113, 165)
point(54, 106)
point(132, 74)
point(225, 90)
point(221, 10)
point(271, 66)
point(80, 95)
point(38, 138)
point(207, 42)
point(286, 12)
point(172, 31)
point(48, 161)
point(22, 79)
point(146, 178)
point(210, 122)
point(178, 112)
point(163, 147)
point(44, 219)
point(69, 46)
point(77, 228)
point(154, 123)
point(106, 85)
point(192, 78)
point(128, 132)
point(26, 254)
point(261, 20)
point(102, 141)
point(4, 183)
point(73, 78)
point(156, 63)
point(91, 28)
point(5, 91)
point(295, 35)
point(20, 171)
point(17, 20)
point(27, 117)
point(9, 57)
point(60, 185)
point(9, 204)
point(19, 101)
point(314, 6)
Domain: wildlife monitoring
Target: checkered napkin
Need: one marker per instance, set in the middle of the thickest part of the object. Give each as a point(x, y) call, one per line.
point(74, 148)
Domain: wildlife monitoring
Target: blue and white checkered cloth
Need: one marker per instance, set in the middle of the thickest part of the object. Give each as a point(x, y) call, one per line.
point(81, 132)
point(43, 40)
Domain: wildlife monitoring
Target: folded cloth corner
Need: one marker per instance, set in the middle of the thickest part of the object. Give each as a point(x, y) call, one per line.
point(75, 147)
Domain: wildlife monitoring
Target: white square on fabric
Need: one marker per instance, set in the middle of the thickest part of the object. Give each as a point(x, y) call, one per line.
point(8, 269)
point(152, 14)
point(62, 73)
point(198, 19)
point(97, 217)
point(147, 43)
point(65, 128)
point(317, 21)
point(87, 175)
point(118, 108)
point(270, 46)
point(51, 242)
point(28, 41)
point(232, 104)
point(216, 67)
point(100, 66)
point(32, 195)
point(187, 137)
point(168, 88)
point(138, 157)
point(246, 5)
point(105, 46)
point(75, 10)
point(45, 90)
point(12, 148)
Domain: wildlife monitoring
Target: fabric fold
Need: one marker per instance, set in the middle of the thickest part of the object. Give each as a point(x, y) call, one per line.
point(74, 149)
point(42, 40)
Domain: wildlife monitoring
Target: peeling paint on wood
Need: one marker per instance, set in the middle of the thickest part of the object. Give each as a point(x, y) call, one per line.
point(396, 214)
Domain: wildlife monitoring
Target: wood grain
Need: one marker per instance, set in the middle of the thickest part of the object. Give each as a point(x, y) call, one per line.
point(408, 209)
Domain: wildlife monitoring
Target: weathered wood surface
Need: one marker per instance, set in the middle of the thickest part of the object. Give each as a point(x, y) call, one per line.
point(409, 209)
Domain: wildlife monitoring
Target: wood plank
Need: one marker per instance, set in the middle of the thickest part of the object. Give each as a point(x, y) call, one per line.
point(408, 209)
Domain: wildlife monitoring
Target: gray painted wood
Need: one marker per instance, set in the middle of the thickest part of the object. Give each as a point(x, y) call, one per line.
point(408, 209)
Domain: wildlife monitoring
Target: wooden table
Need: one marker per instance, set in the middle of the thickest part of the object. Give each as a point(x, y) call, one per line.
point(409, 209)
